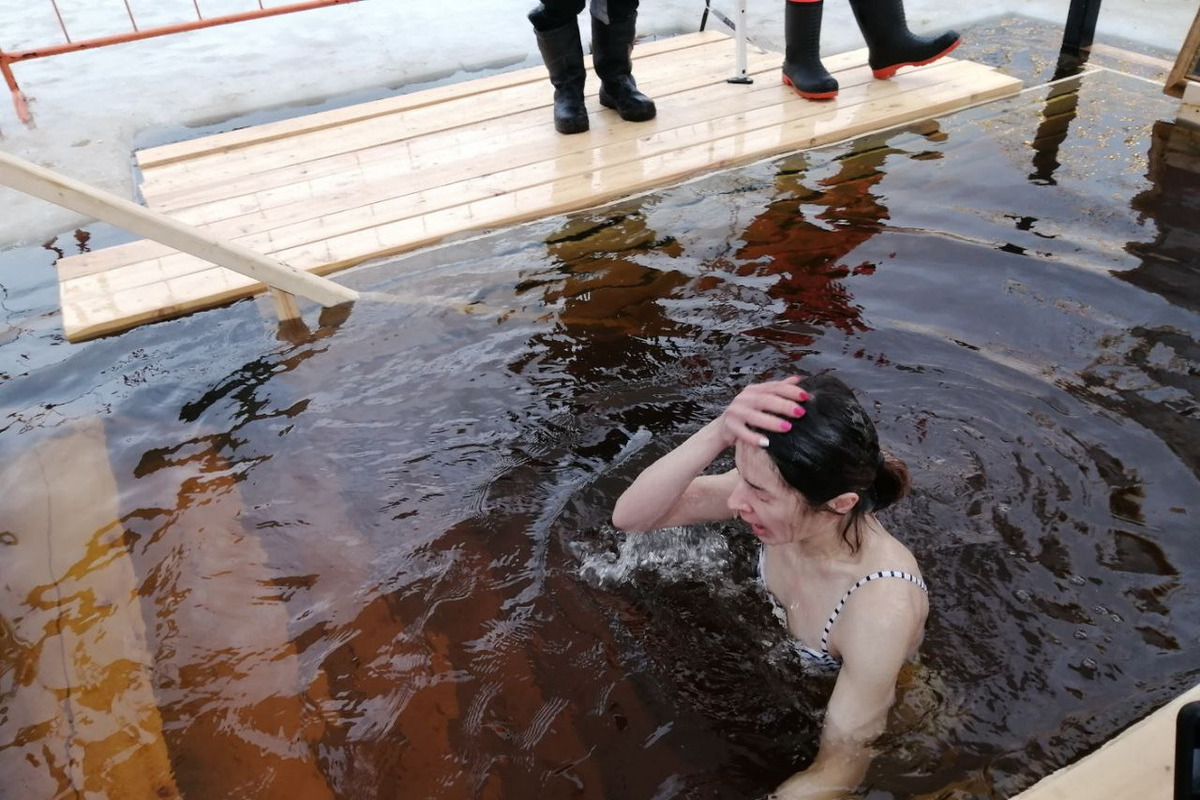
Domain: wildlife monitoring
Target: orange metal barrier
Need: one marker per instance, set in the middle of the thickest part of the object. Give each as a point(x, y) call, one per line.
point(7, 59)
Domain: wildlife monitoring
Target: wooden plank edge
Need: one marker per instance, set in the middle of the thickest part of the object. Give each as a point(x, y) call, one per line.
point(219, 183)
point(1003, 87)
point(218, 165)
point(179, 194)
point(1007, 88)
point(77, 329)
point(1109, 51)
point(80, 266)
point(177, 151)
point(67, 192)
point(314, 146)
point(1153, 735)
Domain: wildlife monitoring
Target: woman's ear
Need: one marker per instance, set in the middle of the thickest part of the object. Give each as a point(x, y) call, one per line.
point(844, 503)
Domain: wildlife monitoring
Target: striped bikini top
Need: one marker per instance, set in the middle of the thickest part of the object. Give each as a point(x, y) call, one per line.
point(822, 659)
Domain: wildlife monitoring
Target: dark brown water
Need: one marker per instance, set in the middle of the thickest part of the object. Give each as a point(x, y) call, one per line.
point(373, 561)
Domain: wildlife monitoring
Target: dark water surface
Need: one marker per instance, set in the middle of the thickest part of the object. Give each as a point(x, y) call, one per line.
point(373, 561)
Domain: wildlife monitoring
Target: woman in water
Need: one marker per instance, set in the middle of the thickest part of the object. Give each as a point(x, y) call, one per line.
point(808, 479)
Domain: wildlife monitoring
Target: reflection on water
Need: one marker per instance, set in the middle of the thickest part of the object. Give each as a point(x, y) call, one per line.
point(372, 558)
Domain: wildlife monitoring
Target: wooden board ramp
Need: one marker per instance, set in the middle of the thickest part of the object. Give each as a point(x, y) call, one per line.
point(1138, 763)
point(334, 189)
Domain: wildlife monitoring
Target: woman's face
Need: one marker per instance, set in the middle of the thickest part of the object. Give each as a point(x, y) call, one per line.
point(774, 510)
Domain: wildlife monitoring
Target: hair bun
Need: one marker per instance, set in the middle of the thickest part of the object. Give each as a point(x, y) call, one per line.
point(891, 481)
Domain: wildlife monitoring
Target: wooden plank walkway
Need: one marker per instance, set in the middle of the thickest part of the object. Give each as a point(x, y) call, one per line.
point(338, 188)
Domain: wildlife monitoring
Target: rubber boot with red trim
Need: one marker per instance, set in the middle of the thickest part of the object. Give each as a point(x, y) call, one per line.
point(802, 67)
point(562, 50)
point(892, 45)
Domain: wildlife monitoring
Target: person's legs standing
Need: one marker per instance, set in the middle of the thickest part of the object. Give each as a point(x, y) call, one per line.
point(612, 56)
point(802, 67)
point(889, 40)
point(556, 25)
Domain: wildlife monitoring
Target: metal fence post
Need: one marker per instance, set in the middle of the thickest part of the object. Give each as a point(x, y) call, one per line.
point(1078, 34)
point(138, 34)
point(18, 99)
point(739, 32)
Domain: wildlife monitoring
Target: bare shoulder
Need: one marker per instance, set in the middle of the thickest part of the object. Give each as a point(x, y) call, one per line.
point(886, 614)
point(894, 585)
point(889, 553)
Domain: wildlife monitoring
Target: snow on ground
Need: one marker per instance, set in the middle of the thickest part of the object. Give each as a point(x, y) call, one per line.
point(93, 108)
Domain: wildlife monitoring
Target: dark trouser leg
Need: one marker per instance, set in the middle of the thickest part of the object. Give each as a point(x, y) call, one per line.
point(612, 56)
point(557, 29)
point(891, 43)
point(802, 67)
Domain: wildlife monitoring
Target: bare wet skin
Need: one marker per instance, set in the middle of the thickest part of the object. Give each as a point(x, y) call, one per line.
point(372, 560)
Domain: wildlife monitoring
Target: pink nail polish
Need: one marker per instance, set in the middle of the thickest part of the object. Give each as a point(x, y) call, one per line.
point(785, 426)
point(797, 412)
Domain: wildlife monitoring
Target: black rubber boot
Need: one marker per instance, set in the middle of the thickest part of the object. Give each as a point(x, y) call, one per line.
point(612, 55)
point(562, 50)
point(891, 43)
point(802, 67)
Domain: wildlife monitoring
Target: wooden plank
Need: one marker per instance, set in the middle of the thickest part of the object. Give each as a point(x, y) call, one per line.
point(682, 152)
point(561, 170)
point(635, 176)
point(1187, 65)
point(231, 140)
point(426, 163)
point(502, 102)
point(614, 155)
point(85, 719)
point(459, 168)
point(70, 193)
point(1140, 763)
point(1130, 56)
point(1189, 106)
point(96, 315)
point(301, 158)
point(437, 161)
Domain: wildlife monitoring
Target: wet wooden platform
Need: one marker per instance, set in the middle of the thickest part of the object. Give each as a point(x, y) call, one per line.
point(334, 189)
point(1138, 763)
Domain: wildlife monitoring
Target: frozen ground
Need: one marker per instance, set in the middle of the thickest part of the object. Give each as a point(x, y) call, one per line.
point(92, 107)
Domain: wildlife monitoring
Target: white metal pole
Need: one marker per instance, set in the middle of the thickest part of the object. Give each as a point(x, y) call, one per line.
point(739, 37)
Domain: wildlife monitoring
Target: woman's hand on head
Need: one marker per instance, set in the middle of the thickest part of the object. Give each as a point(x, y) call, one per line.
point(768, 406)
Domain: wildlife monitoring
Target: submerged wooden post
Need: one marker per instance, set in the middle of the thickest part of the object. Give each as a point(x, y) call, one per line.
point(1189, 109)
point(285, 305)
point(77, 196)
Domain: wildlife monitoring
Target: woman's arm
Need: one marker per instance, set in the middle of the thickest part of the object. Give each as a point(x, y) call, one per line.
point(674, 491)
point(874, 647)
point(856, 716)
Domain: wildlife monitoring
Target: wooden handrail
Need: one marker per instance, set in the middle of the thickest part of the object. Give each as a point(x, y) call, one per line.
point(77, 196)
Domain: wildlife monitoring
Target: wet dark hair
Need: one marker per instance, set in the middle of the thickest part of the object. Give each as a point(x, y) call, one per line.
point(834, 449)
